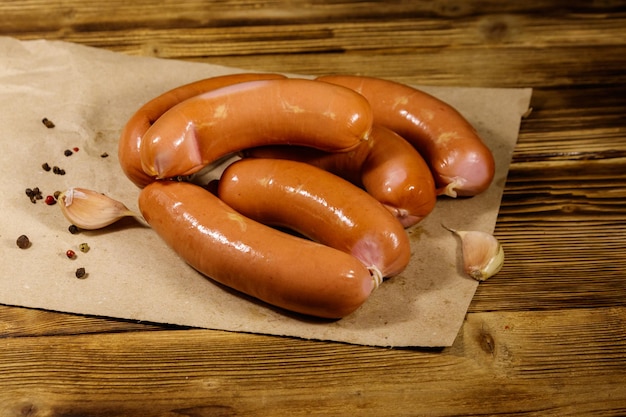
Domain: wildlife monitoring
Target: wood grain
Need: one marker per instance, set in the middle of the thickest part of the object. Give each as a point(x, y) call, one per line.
point(500, 364)
point(546, 336)
point(410, 41)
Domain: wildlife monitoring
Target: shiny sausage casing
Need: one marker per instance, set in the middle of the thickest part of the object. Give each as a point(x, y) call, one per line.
point(209, 126)
point(386, 166)
point(130, 139)
point(281, 269)
point(318, 205)
point(461, 163)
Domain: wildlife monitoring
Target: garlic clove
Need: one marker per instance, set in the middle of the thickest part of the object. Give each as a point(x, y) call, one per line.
point(483, 255)
point(90, 209)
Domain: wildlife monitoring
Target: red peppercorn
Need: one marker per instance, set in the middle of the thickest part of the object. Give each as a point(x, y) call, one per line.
point(75, 149)
point(50, 200)
point(70, 254)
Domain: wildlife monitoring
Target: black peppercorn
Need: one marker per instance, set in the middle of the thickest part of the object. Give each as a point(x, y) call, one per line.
point(23, 242)
point(33, 194)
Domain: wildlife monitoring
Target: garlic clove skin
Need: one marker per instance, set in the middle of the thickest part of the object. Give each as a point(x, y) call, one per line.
point(483, 255)
point(91, 210)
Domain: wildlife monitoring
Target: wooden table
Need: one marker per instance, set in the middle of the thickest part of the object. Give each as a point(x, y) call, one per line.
point(547, 336)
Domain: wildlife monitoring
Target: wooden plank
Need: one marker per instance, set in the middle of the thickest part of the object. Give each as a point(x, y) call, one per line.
point(76, 14)
point(539, 363)
point(551, 264)
point(578, 48)
point(28, 322)
point(493, 31)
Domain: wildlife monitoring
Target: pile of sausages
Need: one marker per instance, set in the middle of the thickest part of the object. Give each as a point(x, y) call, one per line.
point(312, 217)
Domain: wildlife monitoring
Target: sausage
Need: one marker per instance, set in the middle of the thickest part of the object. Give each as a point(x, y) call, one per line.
point(462, 164)
point(318, 205)
point(386, 166)
point(142, 119)
point(281, 269)
point(206, 127)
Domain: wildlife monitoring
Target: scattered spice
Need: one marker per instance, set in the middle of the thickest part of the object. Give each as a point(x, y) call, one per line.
point(50, 200)
point(34, 194)
point(67, 152)
point(58, 171)
point(73, 229)
point(81, 273)
point(46, 167)
point(56, 195)
point(84, 248)
point(47, 123)
point(104, 155)
point(23, 242)
point(70, 254)
point(75, 149)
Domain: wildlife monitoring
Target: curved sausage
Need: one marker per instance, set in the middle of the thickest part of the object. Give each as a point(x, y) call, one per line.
point(292, 111)
point(386, 166)
point(280, 269)
point(461, 163)
point(138, 124)
point(318, 205)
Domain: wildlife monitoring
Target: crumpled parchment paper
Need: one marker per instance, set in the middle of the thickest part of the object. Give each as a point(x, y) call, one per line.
point(89, 94)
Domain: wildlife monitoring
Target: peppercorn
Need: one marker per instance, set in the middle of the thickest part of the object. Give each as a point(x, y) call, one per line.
point(104, 155)
point(67, 152)
point(83, 247)
point(56, 195)
point(34, 194)
point(50, 200)
point(70, 254)
point(73, 229)
point(47, 122)
point(23, 242)
point(46, 167)
point(81, 273)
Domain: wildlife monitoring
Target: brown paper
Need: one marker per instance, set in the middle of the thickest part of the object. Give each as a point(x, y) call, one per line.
point(89, 94)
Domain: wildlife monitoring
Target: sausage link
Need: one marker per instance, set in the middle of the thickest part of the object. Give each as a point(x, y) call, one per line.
point(386, 166)
point(206, 127)
point(138, 124)
point(461, 163)
point(318, 205)
point(281, 269)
